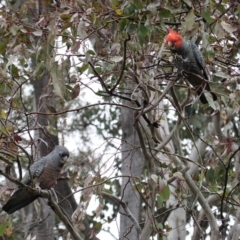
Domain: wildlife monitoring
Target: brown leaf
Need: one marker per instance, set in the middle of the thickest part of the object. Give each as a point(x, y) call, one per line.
point(5, 191)
point(8, 231)
point(228, 27)
point(17, 138)
point(73, 79)
point(75, 91)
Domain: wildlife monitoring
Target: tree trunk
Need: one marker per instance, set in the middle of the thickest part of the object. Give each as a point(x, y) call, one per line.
point(44, 229)
point(132, 165)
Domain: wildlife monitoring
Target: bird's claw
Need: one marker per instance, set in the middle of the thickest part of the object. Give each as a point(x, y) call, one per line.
point(38, 188)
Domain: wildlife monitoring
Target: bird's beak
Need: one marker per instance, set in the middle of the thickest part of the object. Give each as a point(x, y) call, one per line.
point(64, 159)
point(170, 44)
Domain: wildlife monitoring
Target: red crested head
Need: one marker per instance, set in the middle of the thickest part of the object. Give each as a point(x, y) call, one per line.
point(174, 39)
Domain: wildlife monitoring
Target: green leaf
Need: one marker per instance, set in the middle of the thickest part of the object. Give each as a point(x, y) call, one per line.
point(114, 3)
point(238, 11)
point(221, 75)
point(210, 176)
point(159, 200)
point(65, 17)
point(123, 23)
point(131, 9)
point(164, 13)
point(189, 21)
point(160, 226)
point(3, 45)
point(165, 194)
point(14, 29)
point(3, 227)
point(69, 87)
point(91, 52)
point(83, 68)
point(58, 80)
point(143, 29)
point(119, 11)
point(220, 7)
point(132, 28)
point(142, 33)
point(210, 55)
point(214, 104)
point(15, 102)
point(98, 226)
point(13, 70)
point(97, 69)
point(208, 17)
point(139, 4)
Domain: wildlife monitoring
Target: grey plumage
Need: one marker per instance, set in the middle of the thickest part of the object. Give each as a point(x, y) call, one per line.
point(42, 173)
point(190, 60)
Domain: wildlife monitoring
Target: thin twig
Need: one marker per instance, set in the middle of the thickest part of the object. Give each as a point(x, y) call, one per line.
point(126, 209)
point(124, 63)
point(225, 183)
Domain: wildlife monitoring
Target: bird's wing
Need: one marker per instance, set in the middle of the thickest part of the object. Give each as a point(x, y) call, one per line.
point(197, 54)
point(199, 58)
point(35, 170)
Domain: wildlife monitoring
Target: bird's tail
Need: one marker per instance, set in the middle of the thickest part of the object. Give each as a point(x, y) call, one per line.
point(19, 199)
point(201, 85)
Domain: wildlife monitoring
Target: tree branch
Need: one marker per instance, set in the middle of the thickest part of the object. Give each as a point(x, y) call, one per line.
point(126, 209)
